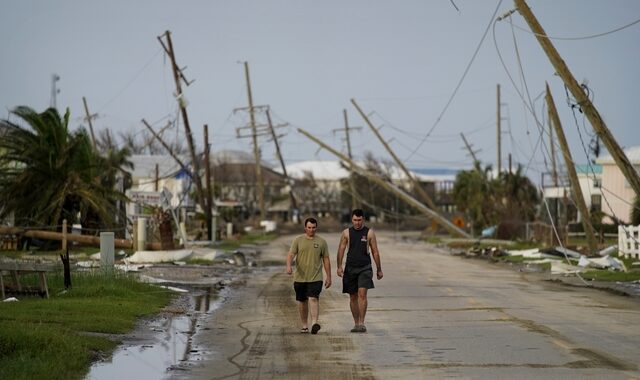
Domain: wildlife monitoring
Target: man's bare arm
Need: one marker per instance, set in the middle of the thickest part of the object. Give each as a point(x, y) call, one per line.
point(344, 241)
point(327, 269)
point(373, 243)
point(290, 257)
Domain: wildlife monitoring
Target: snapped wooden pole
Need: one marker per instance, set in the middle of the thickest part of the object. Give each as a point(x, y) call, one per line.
point(392, 188)
point(581, 97)
point(573, 176)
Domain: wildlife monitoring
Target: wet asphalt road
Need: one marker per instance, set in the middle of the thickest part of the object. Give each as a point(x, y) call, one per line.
point(432, 316)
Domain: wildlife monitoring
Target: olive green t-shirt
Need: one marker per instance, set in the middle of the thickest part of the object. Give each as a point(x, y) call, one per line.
point(309, 254)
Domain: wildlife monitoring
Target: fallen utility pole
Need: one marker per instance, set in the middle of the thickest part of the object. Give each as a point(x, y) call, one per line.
point(573, 176)
point(416, 185)
point(178, 76)
point(166, 146)
point(421, 192)
point(89, 116)
point(581, 97)
point(294, 204)
point(59, 236)
point(471, 152)
point(392, 188)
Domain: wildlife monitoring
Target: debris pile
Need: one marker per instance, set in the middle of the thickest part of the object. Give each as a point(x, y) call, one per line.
point(560, 259)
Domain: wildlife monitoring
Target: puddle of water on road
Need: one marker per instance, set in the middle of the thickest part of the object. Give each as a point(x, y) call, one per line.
point(166, 349)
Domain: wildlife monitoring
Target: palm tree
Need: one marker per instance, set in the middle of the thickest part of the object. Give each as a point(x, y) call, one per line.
point(519, 197)
point(489, 201)
point(474, 193)
point(48, 174)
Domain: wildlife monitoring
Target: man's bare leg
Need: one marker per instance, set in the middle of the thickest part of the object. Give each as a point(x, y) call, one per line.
point(362, 306)
point(355, 311)
point(353, 304)
point(303, 309)
point(314, 309)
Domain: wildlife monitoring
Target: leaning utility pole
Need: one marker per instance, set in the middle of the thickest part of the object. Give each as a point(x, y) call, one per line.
point(554, 171)
point(499, 134)
point(346, 129)
point(392, 188)
point(294, 204)
point(416, 185)
point(166, 146)
point(573, 176)
point(89, 117)
point(178, 76)
point(423, 194)
point(256, 150)
point(581, 98)
point(471, 152)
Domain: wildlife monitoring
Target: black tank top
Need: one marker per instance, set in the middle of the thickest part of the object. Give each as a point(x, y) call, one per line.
point(358, 254)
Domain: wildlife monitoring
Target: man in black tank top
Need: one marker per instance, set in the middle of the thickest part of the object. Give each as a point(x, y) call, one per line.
point(357, 276)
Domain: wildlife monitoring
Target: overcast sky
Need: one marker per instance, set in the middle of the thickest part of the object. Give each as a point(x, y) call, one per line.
point(400, 60)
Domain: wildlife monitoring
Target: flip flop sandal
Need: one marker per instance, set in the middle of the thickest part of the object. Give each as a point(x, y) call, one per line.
point(315, 328)
point(304, 330)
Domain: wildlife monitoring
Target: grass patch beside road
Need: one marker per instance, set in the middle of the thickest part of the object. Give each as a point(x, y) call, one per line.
point(46, 338)
point(251, 238)
point(605, 275)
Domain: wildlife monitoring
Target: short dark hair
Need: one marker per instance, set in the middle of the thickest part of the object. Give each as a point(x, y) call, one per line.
point(310, 220)
point(357, 212)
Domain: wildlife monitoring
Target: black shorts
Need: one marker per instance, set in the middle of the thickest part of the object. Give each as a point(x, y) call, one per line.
point(357, 277)
point(304, 290)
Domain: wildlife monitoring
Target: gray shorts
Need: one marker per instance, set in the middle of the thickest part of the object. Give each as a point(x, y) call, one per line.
point(357, 277)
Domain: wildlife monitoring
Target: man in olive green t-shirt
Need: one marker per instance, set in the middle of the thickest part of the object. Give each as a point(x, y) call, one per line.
point(311, 254)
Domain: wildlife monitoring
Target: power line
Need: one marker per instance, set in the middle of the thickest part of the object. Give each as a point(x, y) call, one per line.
point(529, 106)
point(466, 71)
point(582, 37)
point(454, 5)
point(524, 101)
point(443, 138)
point(130, 82)
point(572, 106)
point(591, 169)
